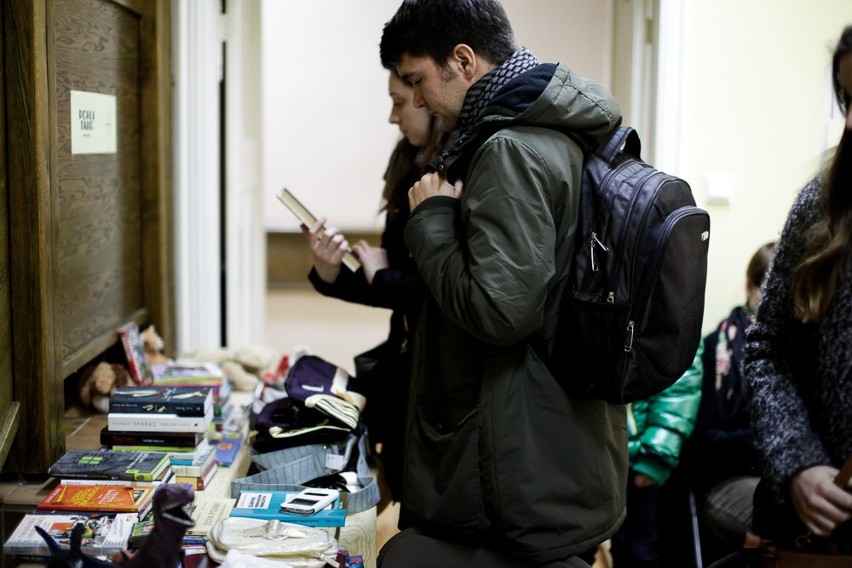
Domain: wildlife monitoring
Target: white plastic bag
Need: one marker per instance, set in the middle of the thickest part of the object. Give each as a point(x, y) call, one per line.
point(296, 546)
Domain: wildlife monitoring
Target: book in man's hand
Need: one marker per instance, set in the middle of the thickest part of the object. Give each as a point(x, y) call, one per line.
point(109, 464)
point(308, 219)
point(106, 533)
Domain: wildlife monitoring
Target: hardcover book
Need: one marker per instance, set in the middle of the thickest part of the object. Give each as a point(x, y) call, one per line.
point(308, 219)
point(267, 505)
point(183, 401)
point(110, 464)
point(106, 533)
point(134, 350)
point(98, 499)
point(144, 422)
point(207, 512)
point(157, 439)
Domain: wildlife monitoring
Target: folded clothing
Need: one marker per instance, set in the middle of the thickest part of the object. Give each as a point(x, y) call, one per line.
point(284, 424)
point(317, 384)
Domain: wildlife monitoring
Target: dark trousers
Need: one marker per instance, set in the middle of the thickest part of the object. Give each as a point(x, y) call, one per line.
point(635, 543)
point(414, 549)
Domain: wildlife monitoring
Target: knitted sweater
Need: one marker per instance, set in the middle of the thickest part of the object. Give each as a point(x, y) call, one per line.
point(801, 401)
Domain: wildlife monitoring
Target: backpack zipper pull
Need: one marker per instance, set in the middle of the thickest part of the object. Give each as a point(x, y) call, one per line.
point(628, 337)
point(610, 297)
point(595, 241)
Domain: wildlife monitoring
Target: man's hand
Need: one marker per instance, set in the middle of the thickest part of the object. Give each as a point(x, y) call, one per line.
point(642, 481)
point(821, 505)
point(327, 249)
point(431, 185)
point(372, 259)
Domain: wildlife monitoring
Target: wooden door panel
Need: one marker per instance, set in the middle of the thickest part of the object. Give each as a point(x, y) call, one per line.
point(99, 258)
point(89, 234)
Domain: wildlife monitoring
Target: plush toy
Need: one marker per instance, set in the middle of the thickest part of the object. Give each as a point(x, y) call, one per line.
point(242, 367)
point(153, 345)
point(97, 382)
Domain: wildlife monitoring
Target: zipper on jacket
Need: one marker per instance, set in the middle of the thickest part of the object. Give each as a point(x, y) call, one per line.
point(628, 337)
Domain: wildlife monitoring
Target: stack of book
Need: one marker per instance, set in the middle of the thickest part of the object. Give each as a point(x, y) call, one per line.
point(160, 409)
point(198, 374)
point(196, 468)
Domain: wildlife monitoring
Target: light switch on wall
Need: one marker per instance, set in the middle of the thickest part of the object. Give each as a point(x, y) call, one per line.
point(719, 188)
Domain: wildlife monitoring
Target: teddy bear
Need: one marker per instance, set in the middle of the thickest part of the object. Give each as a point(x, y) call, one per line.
point(97, 382)
point(242, 367)
point(153, 346)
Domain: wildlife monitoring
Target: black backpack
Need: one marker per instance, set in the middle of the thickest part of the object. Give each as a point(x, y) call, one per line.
point(631, 316)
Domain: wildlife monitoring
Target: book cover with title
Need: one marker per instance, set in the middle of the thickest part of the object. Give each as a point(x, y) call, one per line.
point(182, 401)
point(109, 464)
point(105, 533)
point(267, 505)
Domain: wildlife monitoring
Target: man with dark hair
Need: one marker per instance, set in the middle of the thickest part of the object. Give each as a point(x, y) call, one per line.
point(504, 467)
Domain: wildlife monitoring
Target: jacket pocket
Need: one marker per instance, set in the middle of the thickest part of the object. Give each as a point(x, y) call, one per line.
point(443, 487)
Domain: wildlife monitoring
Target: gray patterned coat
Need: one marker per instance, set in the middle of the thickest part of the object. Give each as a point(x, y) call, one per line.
point(801, 400)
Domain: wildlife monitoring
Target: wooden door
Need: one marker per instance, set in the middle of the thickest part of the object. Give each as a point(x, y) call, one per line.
point(90, 236)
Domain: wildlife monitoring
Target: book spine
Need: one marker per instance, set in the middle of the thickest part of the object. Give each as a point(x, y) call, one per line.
point(179, 408)
point(192, 470)
point(120, 482)
point(152, 440)
point(156, 423)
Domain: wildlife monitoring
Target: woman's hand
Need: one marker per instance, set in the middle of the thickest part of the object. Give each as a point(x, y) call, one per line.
point(327, 248)
point(820, 504)
point(372, 259)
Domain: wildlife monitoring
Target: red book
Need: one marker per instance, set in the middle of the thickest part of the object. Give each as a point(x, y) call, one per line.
point(98, 498)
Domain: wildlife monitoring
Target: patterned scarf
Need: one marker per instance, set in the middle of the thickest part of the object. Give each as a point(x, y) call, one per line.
point(481, 92)
point(730, 385)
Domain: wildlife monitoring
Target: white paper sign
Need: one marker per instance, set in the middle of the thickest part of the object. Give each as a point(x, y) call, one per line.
point(93, 124)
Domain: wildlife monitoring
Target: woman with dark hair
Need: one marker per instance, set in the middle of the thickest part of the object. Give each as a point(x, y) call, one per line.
point(386, 279)
point(799, 352)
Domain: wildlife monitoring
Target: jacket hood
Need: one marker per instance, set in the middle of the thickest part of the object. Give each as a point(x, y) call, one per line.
point(552, 96)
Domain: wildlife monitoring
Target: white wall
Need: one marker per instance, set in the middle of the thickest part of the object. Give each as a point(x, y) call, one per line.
point(325, 104)
point(755, 111)
point(754, 108)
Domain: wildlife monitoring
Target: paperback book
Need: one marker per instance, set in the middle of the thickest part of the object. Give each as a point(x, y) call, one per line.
point(105, 534)
point(110, 464)
point(228, 448)
point(118, 482)
point(152, 439)
point(267, 505)
point(99, 499)
point(199, 483)
point(197, 466)
point(308, 219)
point(207, 512)
point(182, 401)
point(144, 422)
point(188, 373)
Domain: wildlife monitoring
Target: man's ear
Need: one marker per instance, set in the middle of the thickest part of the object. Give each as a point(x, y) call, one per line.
point(465, 61)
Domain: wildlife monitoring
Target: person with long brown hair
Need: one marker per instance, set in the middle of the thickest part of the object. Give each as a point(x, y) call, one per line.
point(386, 279)
point(799, 352)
